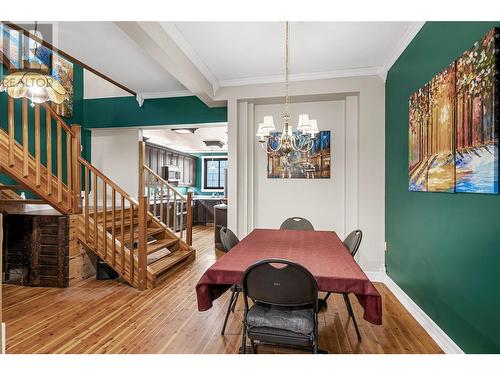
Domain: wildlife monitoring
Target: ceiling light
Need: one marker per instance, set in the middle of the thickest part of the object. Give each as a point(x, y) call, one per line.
point(185, 130)
point(215, 143)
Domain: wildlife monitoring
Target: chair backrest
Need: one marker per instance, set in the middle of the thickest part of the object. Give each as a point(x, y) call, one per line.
point(297, 223)
point(228, 239)
point(353, 240)
point(280, 282)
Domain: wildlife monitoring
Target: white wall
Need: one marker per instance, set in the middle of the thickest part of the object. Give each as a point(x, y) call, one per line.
point(321, 201)
point(95, 87)
point(115, 152)
point(253, 200)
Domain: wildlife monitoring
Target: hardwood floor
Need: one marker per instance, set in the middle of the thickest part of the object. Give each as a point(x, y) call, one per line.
point(112, 317)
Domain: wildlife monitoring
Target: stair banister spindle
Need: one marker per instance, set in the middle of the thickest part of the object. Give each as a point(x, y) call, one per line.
point(189, 224)
point(113, 223)
point(59, 163)
point(131, 258)
point(181, 218)
point(122, 233)
point(104, 219)
point(48, 139)
point(37, 145)
point(11, 131)
point(87, 204)
point(77, 171)
point(142, 239)
point(69, 167)
point(25, 137)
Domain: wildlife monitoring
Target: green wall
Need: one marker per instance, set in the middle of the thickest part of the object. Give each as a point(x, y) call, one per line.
point(443, 249)
point(125, 111)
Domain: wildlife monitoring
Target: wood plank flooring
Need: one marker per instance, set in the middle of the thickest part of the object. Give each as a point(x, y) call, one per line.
point(112, 317)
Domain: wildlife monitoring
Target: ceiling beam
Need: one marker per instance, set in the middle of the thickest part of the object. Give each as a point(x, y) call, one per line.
point(157, 43)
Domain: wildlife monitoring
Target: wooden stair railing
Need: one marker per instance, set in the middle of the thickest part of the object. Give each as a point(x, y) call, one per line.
point(132, 236)
point(47, 179)
point(161, 195)
point(104, 202)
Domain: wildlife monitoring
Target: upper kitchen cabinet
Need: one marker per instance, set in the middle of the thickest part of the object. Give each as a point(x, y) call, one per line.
point(158, 157)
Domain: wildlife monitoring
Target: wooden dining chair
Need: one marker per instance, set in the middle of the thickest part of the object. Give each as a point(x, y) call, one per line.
point(352, 242)
point(285, 305)
point(297, 223)
point(229, 240)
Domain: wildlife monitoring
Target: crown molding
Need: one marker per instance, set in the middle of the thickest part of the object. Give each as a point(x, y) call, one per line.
point(341, 73)
point(408, 36)
point(191, 54)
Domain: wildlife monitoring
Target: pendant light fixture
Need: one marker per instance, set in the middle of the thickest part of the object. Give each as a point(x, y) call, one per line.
point(33, 84)
point(287, 142)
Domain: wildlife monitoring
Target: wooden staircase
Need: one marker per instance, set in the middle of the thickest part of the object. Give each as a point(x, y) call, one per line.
point(128, 234)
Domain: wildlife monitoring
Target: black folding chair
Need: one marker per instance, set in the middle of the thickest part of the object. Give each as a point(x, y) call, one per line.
point(297, 223)
point(285, 308)
point(352, 242)
point(229, 240)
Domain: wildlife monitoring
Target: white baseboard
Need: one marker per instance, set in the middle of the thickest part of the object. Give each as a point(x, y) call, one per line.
point(2, 338)
point(378, 277)
point(437, 334)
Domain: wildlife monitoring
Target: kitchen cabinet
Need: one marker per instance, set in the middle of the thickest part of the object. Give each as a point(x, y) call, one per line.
point(205, 210)
point(157, 157)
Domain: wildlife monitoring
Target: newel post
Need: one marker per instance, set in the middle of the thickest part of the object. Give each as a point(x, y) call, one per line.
point(76, 145)
point(189, 224)
point(142, 242)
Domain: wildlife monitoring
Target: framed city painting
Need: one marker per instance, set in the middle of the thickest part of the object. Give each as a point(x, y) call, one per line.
point(453, 125)
point(312, 164)
point(62, 70)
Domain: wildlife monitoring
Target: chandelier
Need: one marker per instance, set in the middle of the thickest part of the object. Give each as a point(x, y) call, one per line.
point(287, 142)
point(32, 83)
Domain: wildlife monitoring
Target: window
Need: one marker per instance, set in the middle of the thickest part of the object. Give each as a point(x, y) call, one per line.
point(214, 173)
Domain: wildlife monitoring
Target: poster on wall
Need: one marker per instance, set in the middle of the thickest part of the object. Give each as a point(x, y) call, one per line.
point(312, 164)
point(453, 125)
point(9, 44)
point(62, 70)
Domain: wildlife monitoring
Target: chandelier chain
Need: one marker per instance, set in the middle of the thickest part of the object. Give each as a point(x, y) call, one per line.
point(286, 68)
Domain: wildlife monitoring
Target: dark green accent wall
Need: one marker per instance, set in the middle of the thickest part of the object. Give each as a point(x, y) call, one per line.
point(125, 111)
point(443, 249)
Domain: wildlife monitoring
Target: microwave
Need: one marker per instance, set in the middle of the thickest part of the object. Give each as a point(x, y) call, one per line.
point(171, 173)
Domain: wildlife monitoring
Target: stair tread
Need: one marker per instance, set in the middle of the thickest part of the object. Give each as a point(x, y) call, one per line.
point(160, 244)
point(167, 262)
point(149, 232)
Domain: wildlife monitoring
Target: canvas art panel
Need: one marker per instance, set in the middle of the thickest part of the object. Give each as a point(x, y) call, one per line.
point(62, 70)
point(477, 117)
point(312, 164)
point(453, 125)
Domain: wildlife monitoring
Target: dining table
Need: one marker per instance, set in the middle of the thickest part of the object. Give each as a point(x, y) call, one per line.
point(321, 252)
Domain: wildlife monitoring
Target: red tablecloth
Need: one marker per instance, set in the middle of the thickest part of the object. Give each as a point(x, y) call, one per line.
point(321, 252)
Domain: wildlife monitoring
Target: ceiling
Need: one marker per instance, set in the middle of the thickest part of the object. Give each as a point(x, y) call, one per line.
point(161, 59)
point(189, 143)
point(105, 47)
point(247, 52)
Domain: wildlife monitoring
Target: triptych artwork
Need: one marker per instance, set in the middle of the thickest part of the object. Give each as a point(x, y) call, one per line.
point(453, 125)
